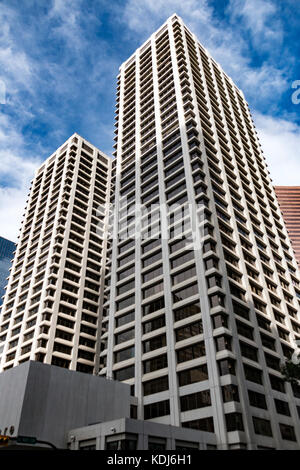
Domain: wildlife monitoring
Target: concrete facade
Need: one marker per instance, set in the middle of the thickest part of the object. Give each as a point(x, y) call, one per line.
point(143, 435)
point(199, 331)
point(51, 310)
point(46, 401)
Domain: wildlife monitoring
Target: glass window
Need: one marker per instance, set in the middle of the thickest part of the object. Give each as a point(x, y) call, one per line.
point(156, 363)
point(184, 258)
point(154, 410)
point(125, 319)
point(124, 374)
point(124, 354)
point(183, 275)
point(234, 422)
point(185, 292)
point(156, 385)
point(287, 432)
point(195, 400)
point(154, 343)
point(262, 426)
point(257, 399)
point(191, 352)
point(125, 303)
point(204, 424)
point(189, 330)
point(124, 336)
point(187, 311)
point(230, 393)
point(153, 306)
point(190, 376)
point(154, 289)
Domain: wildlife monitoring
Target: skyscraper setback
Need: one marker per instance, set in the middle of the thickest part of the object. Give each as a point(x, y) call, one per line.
point(194, 301)
point(198, 333)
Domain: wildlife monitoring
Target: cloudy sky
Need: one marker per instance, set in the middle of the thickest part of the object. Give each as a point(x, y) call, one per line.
point(59, 60)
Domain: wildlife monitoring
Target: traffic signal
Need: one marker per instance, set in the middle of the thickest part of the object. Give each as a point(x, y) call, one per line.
point(4, 440)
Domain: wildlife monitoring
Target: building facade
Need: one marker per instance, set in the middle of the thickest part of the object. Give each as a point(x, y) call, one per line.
point(46, 402)
point(7, 249)
point(203, 302)
point(289, 202)
point(53, 298)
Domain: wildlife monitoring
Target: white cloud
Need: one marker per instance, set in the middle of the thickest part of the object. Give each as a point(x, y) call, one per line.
point(224, 41)
point(12, 203)
point(280, 140)
point(16, 173)
point(260, 18)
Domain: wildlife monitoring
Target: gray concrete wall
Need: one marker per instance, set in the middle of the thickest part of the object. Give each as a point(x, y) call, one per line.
point(47, 401)
point(144, 430)
point(12, 391)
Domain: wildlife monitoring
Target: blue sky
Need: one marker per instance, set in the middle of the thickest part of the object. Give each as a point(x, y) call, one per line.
point(59, 60)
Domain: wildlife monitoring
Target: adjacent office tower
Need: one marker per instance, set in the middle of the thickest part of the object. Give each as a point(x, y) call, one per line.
point(7, 249)
point(289, 201)
point(198, 328)
point(51, 307)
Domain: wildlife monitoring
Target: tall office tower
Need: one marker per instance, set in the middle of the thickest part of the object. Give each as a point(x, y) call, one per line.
point(199, 333)
point(289, 201)
point(51, 307)
point(7, 249)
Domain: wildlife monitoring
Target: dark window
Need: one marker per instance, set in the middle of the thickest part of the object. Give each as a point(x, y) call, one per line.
point(153, 306)
point(252, 374)
point(189, 331)
point(125, 319)
point(216, 300)
point(154, 343)
point(223, 342)
point(277, 384)
point(230, 393)
point(240, 310)
point(195, 400)
point(124, 374)
point(154, 410)
point(262, 427)
point(190, 376)
point(268, 342)
point(125, 303)
point(287, 432)
point(185, 293)
point(156, 363)
point(257, 399)
point(154, 324)
point(272, 362)
point(191, 352)
point(204, 424)
point(234, 422)
point(244, 330)
point(249, 351)
point(156, 385)
point(124, 336)
point(220, 320)
point(186, 311)
point(124, 354)
point(226, 366)
point(183, 275)
point(282, 407)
